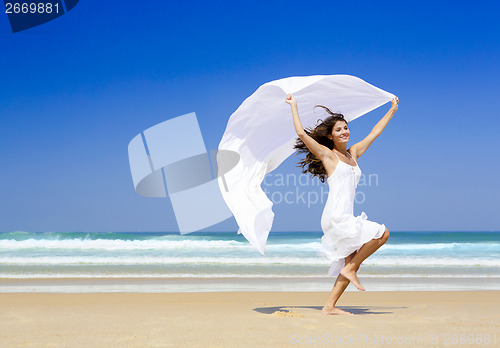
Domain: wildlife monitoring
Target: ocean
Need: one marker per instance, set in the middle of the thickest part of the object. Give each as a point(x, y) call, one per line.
point(225, 261)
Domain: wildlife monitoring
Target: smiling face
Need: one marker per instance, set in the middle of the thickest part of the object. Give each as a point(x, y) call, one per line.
point(340, 132)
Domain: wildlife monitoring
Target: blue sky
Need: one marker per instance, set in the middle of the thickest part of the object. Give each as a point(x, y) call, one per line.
point(75, 91)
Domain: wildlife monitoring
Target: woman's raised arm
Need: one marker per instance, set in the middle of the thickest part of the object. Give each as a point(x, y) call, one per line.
point(359, 148)
point(320, 151)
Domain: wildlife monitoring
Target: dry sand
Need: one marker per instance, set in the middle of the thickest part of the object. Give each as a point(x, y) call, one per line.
point(250, 319)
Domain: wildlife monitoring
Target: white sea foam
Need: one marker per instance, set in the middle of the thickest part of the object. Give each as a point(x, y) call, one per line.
point(261, 260)
point(230, 275)
point(162, 244)
point(113, 244)
point(143, 260)
point(441, 246)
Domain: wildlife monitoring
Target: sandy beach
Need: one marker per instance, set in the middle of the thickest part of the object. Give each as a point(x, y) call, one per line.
point(249, 319)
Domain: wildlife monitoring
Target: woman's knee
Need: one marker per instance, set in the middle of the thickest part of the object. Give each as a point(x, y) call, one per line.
point(385, 236)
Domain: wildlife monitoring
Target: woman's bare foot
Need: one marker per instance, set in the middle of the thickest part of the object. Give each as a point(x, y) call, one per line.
point(350, 274)
point(334, 311)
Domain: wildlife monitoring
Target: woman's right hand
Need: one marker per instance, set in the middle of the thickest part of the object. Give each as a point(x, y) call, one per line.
point(290, 99)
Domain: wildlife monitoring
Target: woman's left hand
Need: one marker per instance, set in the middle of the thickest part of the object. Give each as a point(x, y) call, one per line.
point(394, 103)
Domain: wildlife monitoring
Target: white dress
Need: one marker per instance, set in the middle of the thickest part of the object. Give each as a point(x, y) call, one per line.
point(344, 233)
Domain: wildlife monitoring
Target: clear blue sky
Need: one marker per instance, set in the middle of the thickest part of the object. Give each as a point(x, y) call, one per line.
point(75, 91)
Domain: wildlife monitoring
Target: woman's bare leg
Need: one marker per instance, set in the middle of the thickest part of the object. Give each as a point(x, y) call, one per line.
point(350, 269)
point(338, 289)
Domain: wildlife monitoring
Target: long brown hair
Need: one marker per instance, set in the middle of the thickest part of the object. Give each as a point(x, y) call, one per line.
point(312, 164)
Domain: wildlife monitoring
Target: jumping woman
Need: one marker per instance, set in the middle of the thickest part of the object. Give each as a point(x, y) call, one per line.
point(347, 239)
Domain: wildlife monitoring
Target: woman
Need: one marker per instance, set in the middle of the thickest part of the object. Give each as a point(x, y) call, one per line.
point(347, 240)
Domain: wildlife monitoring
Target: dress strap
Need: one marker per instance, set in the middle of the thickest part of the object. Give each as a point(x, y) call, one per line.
point(349, 155)
point(352, 157)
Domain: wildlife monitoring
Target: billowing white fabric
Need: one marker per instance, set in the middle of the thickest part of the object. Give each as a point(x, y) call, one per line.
point(261, 131)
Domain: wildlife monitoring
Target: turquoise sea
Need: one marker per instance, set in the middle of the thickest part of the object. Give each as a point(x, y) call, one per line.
point(463, 260)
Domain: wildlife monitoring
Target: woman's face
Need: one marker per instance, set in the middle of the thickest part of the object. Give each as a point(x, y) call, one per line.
point(340, 132)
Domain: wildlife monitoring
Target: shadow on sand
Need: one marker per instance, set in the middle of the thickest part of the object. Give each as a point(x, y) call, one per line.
point(357, 310)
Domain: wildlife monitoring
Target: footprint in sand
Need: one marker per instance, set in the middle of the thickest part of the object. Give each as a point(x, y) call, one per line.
point(291, 313)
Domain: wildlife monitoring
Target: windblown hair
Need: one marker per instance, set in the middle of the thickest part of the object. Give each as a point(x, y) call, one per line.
point(312, 164)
